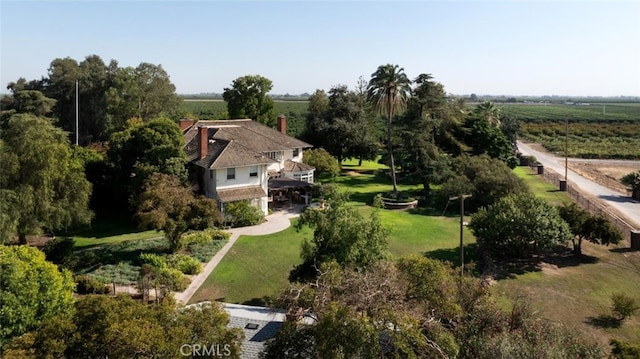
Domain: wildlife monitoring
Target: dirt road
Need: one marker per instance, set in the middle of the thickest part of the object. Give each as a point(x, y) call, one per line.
point(620, 202)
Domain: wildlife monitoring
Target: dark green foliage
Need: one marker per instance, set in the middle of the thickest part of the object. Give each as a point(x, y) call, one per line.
point(486, 138)
point(242, 214)
point(42, 184)
point(519, 226)
point(595, 229)
point(325, 164)
point(89, 285)
point(485, 178)
point(633, 181)
point(103, 326)
point(167, 205)
point(623, 350)
point(247, 98)
point(623, 306)
point(60, 251)
point(342, 235)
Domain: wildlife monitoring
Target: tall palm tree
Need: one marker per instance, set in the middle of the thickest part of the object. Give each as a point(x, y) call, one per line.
point(388, 90)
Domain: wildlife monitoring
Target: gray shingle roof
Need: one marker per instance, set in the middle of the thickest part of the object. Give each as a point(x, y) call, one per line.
point(291, 166)
point(254, 338)
point(235, 143)
point(238, 194)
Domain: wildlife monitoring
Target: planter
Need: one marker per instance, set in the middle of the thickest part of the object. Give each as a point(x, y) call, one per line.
point(391, 204)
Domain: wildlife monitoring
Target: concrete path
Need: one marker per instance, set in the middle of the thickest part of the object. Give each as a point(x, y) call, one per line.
point(624, 204)
point(276, 222)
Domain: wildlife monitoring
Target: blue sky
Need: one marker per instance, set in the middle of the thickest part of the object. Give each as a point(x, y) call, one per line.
point(576, 48)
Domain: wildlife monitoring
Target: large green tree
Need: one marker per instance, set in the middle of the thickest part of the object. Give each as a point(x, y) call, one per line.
point(340, 234)
point(107, 327)
point(247, 98)
point(388, 90)
point(342, 126)
point(42, 185)
point(143, 149)
point(165, 204)
point(107, 95)
point(32, 290)
point(518, 226)
point(584, 226)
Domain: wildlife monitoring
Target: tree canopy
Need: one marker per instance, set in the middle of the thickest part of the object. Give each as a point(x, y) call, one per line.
point(247, 98)
point(388, 90)
point(584, 226)
point(103, 326)
point(108, 95)
point(32, 291)
point(518, 226)
point(342, 235)
point(165, 204)
point(42, 182)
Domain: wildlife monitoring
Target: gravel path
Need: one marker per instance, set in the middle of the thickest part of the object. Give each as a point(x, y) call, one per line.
point(276, 222)
point(624, 204)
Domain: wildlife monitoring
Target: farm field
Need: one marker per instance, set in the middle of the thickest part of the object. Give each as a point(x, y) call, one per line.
point(597, 130)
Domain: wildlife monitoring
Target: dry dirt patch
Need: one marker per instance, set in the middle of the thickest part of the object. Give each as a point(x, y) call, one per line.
point(608, 175)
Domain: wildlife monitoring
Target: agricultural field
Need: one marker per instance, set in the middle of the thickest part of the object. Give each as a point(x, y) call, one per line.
point(610, 130)
point(211, 109)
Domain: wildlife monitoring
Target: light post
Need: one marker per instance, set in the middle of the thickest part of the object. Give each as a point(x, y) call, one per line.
point(462, 198)
point(563, 183)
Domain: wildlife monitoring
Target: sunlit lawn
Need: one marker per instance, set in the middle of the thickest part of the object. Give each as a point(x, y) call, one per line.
point(109, 228)
point(578, 291)
point(258, 266)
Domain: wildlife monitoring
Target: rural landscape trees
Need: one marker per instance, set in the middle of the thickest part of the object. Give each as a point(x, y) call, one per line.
point(350, 276)
point(42, 185)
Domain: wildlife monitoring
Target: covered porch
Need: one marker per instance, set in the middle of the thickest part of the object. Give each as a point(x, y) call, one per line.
point(285, 192)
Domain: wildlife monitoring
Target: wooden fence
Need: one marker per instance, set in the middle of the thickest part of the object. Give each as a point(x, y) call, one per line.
point(589, 203)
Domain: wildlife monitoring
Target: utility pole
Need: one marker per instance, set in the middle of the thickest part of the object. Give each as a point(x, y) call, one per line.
point(462, 198)
point(77, 130)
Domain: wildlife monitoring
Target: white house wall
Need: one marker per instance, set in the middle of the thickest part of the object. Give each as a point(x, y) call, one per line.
point(244, 180)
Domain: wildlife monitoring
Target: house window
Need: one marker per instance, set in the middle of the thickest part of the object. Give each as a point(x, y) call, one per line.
point(231, 173)
point(253, 171)
point(296, 152)
point(275, 155)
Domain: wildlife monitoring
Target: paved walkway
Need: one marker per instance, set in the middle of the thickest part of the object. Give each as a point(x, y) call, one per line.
point(276, 222)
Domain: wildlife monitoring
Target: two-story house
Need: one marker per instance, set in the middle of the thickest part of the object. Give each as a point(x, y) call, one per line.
point(236, 159)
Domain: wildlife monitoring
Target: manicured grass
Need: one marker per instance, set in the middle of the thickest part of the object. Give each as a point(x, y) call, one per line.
point(109, 227)
point(541, 188)
point(255, 267)
point(352, 164)
point(577, 291)
point(258, 266)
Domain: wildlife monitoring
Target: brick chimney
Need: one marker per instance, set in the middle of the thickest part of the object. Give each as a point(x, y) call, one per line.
point(203, 134)
point(186, 123)
point(282, 124)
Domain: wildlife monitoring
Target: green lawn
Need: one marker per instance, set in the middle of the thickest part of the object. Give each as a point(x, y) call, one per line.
point(540, 187)
point(258, 266)
point(108, 227)
point(255, 267)
point(577, 291)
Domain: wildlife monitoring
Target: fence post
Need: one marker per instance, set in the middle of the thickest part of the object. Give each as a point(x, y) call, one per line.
point(635, 239)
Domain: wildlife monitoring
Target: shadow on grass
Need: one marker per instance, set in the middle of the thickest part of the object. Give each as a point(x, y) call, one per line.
point(624, 250)
point(105, 224)
point(604, 321)
point(259, 302)
point(452, 255)
point(559, 257)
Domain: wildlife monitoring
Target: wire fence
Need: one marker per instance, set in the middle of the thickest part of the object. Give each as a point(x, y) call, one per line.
point(590, 204)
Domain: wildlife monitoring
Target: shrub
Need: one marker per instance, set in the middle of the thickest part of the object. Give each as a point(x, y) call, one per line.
point(60, 251)
point(156, 261)
point(185, 264)
point(623, 306)
point(322, 160)
point(205, 236)
point(623, 350)
point(203, 252)
point(241, 213)
point(89, 285)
